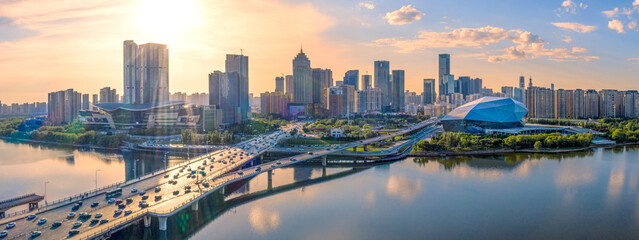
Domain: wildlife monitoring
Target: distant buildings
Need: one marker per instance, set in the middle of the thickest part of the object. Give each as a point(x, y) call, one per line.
point(366, 81)
point(351, 77)
point(429, 94)
point(275, 103)
point(16, 109)
point(279, 84)
point(108, 95)
point(397, 102)
point(146, 73)
point(302, 79)
point(444, 70)
point(239, 64)
point(63, 106)
point(224, 93)
point(383, 81)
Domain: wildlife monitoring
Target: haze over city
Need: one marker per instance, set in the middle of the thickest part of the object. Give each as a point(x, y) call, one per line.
point(76, 44)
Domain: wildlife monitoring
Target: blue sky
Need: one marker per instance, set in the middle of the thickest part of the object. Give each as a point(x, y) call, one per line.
point(50, 45)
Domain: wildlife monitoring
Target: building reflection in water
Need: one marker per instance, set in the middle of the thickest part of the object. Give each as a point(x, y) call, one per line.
point(263, 220)
point(404, 188)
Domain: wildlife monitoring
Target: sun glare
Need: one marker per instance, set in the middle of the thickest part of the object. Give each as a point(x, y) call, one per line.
point(165, 21)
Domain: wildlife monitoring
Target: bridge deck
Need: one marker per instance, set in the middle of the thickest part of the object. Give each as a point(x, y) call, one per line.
point(21, 200)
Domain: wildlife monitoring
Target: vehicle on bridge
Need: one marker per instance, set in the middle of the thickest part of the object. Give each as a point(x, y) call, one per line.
point(113, 193)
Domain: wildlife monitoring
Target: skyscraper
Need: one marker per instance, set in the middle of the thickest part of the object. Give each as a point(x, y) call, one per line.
point(239, 64)
point(302, 79)
point(224, 93)
point(132, 83)
point(351, 77)
point(107, 95)
point(146, 73)
point(522, 82)
point(85, 102)
point(366, 81)
point(279, 84)
point(398, 99)
point(288, 82)
point(321, 79)
point(444, 69)
point(94, 100)
point(382, 81)
point(429, 94)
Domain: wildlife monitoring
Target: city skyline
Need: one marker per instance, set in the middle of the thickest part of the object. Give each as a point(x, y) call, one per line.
point(561, 45)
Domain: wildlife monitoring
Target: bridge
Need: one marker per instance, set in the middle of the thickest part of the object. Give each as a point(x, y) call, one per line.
point(220, 168)
point(31, 199)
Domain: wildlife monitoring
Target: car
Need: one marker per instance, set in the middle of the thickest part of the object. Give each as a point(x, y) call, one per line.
point(77, 224)
point(56, 224)
point(187, 191)
point(144, 205)
point(79, 203)
point(127, 212)
point(176, 176)
point(31, 217)
point(211, 167)
point(205, 184)
point(70, 215)
point(95, 221)
point(121, 206)
point(176, 192)
point(157, 189)
point(35, 234)
point(117, 212)
point(166, 176)
point(273, 166)
point(145, 197)
point(134, 190)
point(73, 232)
point(158, 197)
point(95, 204)
point(181, 170)
point(3, 234)
point(129, 200)
point(75, 207)
point(293, 160)
point(10, 225)
point(111, 200)
point(42, 221)
point(84, 215)
point(240, 173)
point(118, 202)
point(98, 215)
point(278, 163)
point(103, 221)
point(142, 193)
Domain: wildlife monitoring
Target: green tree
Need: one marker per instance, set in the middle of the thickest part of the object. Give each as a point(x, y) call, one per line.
point(538, 145)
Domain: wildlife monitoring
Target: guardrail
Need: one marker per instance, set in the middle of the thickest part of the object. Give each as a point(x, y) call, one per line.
point(115, 225)
point(16, 198)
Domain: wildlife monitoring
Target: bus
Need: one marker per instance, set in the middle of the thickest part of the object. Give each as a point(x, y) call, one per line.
point(113, 193)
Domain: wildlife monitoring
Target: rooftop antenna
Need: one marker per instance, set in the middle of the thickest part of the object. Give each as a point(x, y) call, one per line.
point(241, 51)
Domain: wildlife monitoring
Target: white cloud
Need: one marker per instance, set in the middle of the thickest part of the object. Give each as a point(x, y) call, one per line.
point(633, 24)
point(527, 45)
point(367, 5)
point(405, 15)
point(567, 39)
point(577, 27)
point(616, 25)
point(635, 3)
point(616, 12)
point(569, 6)
point(634, 60)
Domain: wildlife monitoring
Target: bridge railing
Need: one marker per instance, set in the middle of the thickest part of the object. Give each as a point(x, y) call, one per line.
point(120, 222)
point(16, 198)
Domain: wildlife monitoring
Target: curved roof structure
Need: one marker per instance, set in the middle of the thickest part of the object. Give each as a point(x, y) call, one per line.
point(137, 107)
point(489, 109)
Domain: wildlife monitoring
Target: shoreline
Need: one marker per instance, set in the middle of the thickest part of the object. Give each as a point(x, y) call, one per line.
point(504, 150)
point(60, 144)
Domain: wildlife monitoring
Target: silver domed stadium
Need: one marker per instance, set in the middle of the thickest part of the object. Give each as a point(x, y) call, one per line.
point(485, 113)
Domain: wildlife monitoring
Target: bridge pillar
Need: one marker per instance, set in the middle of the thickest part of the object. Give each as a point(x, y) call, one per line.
point(2, 214)
point(324, 161)
point(261, 157)
point(270, 179)
point(33, 205)
point(147, 221)
point(323, 172)
point(364, 147)
point(195, 206)
point(162, 223)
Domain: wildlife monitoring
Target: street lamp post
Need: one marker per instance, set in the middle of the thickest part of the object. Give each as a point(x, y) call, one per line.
point(45, 192)
point(96, 179)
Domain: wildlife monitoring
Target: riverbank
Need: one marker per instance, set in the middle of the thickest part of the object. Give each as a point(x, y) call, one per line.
point(59, 144)
point(506, 150)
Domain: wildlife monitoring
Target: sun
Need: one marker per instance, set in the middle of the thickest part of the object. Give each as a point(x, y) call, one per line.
point(166, 21)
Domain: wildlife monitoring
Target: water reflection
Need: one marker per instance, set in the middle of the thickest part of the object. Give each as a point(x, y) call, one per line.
point(404, 188)
point(263, 220)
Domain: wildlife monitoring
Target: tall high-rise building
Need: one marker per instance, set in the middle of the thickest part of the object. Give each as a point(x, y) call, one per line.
point(444, 69)
point(429, 94)
point(279, 84)
point(398, 99)
point(449, 84)
point(288, 82)
point(321, 80)
point(239, 64)
point(629, 103)
point(146, 73)
point(522, 82)
point(366, 81)
point(86, 105)
point(63, 106)
point(107, 95)
point(302, 79)
point(508, 91)
point(578, 104)
point(591, 104)
point(351, 77)
point(369, 100)
point(94, 101)
point(224, 93)
point(382, 81)
point(608, 102)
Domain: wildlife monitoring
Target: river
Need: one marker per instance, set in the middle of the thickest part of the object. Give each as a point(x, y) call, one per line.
point(592, 194)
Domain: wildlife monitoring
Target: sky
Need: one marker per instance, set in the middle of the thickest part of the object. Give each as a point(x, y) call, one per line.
point(51, 45)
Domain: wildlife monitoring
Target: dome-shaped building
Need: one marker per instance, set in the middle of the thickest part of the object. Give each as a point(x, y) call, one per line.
point(486, 113)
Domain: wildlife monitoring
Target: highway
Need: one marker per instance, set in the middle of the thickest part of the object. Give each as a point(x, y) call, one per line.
point(218, 166)
point(225, 160)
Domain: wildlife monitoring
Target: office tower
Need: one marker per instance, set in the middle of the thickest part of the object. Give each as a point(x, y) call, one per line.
point(55, 111)
point(477, 85)
point(302, 79)
point(519, 94)
point(578, 104)
point(274, 103)
point(508, 91)
point(341, 100)
point(449, 84)
point(132, 83)
point(321, 79)
point(351, 77)
point(591, 104)
point(429, 94)
point(382, 81)
point(279, 84)
point(552, 86)
point(369, 100)
point(629, 103)
point(224, 93)
point(412, 98)
point(94, 100)
point(288, 81)
point(85, 102)
point(107, 95)
point(146, 73)
point(522, 82)
point(444, 70)
point(397, 101)
point(366, 82)
point(239, 64)
point(530, 82)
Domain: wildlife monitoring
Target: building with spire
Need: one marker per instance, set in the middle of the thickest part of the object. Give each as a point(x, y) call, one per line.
point(302, 79)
